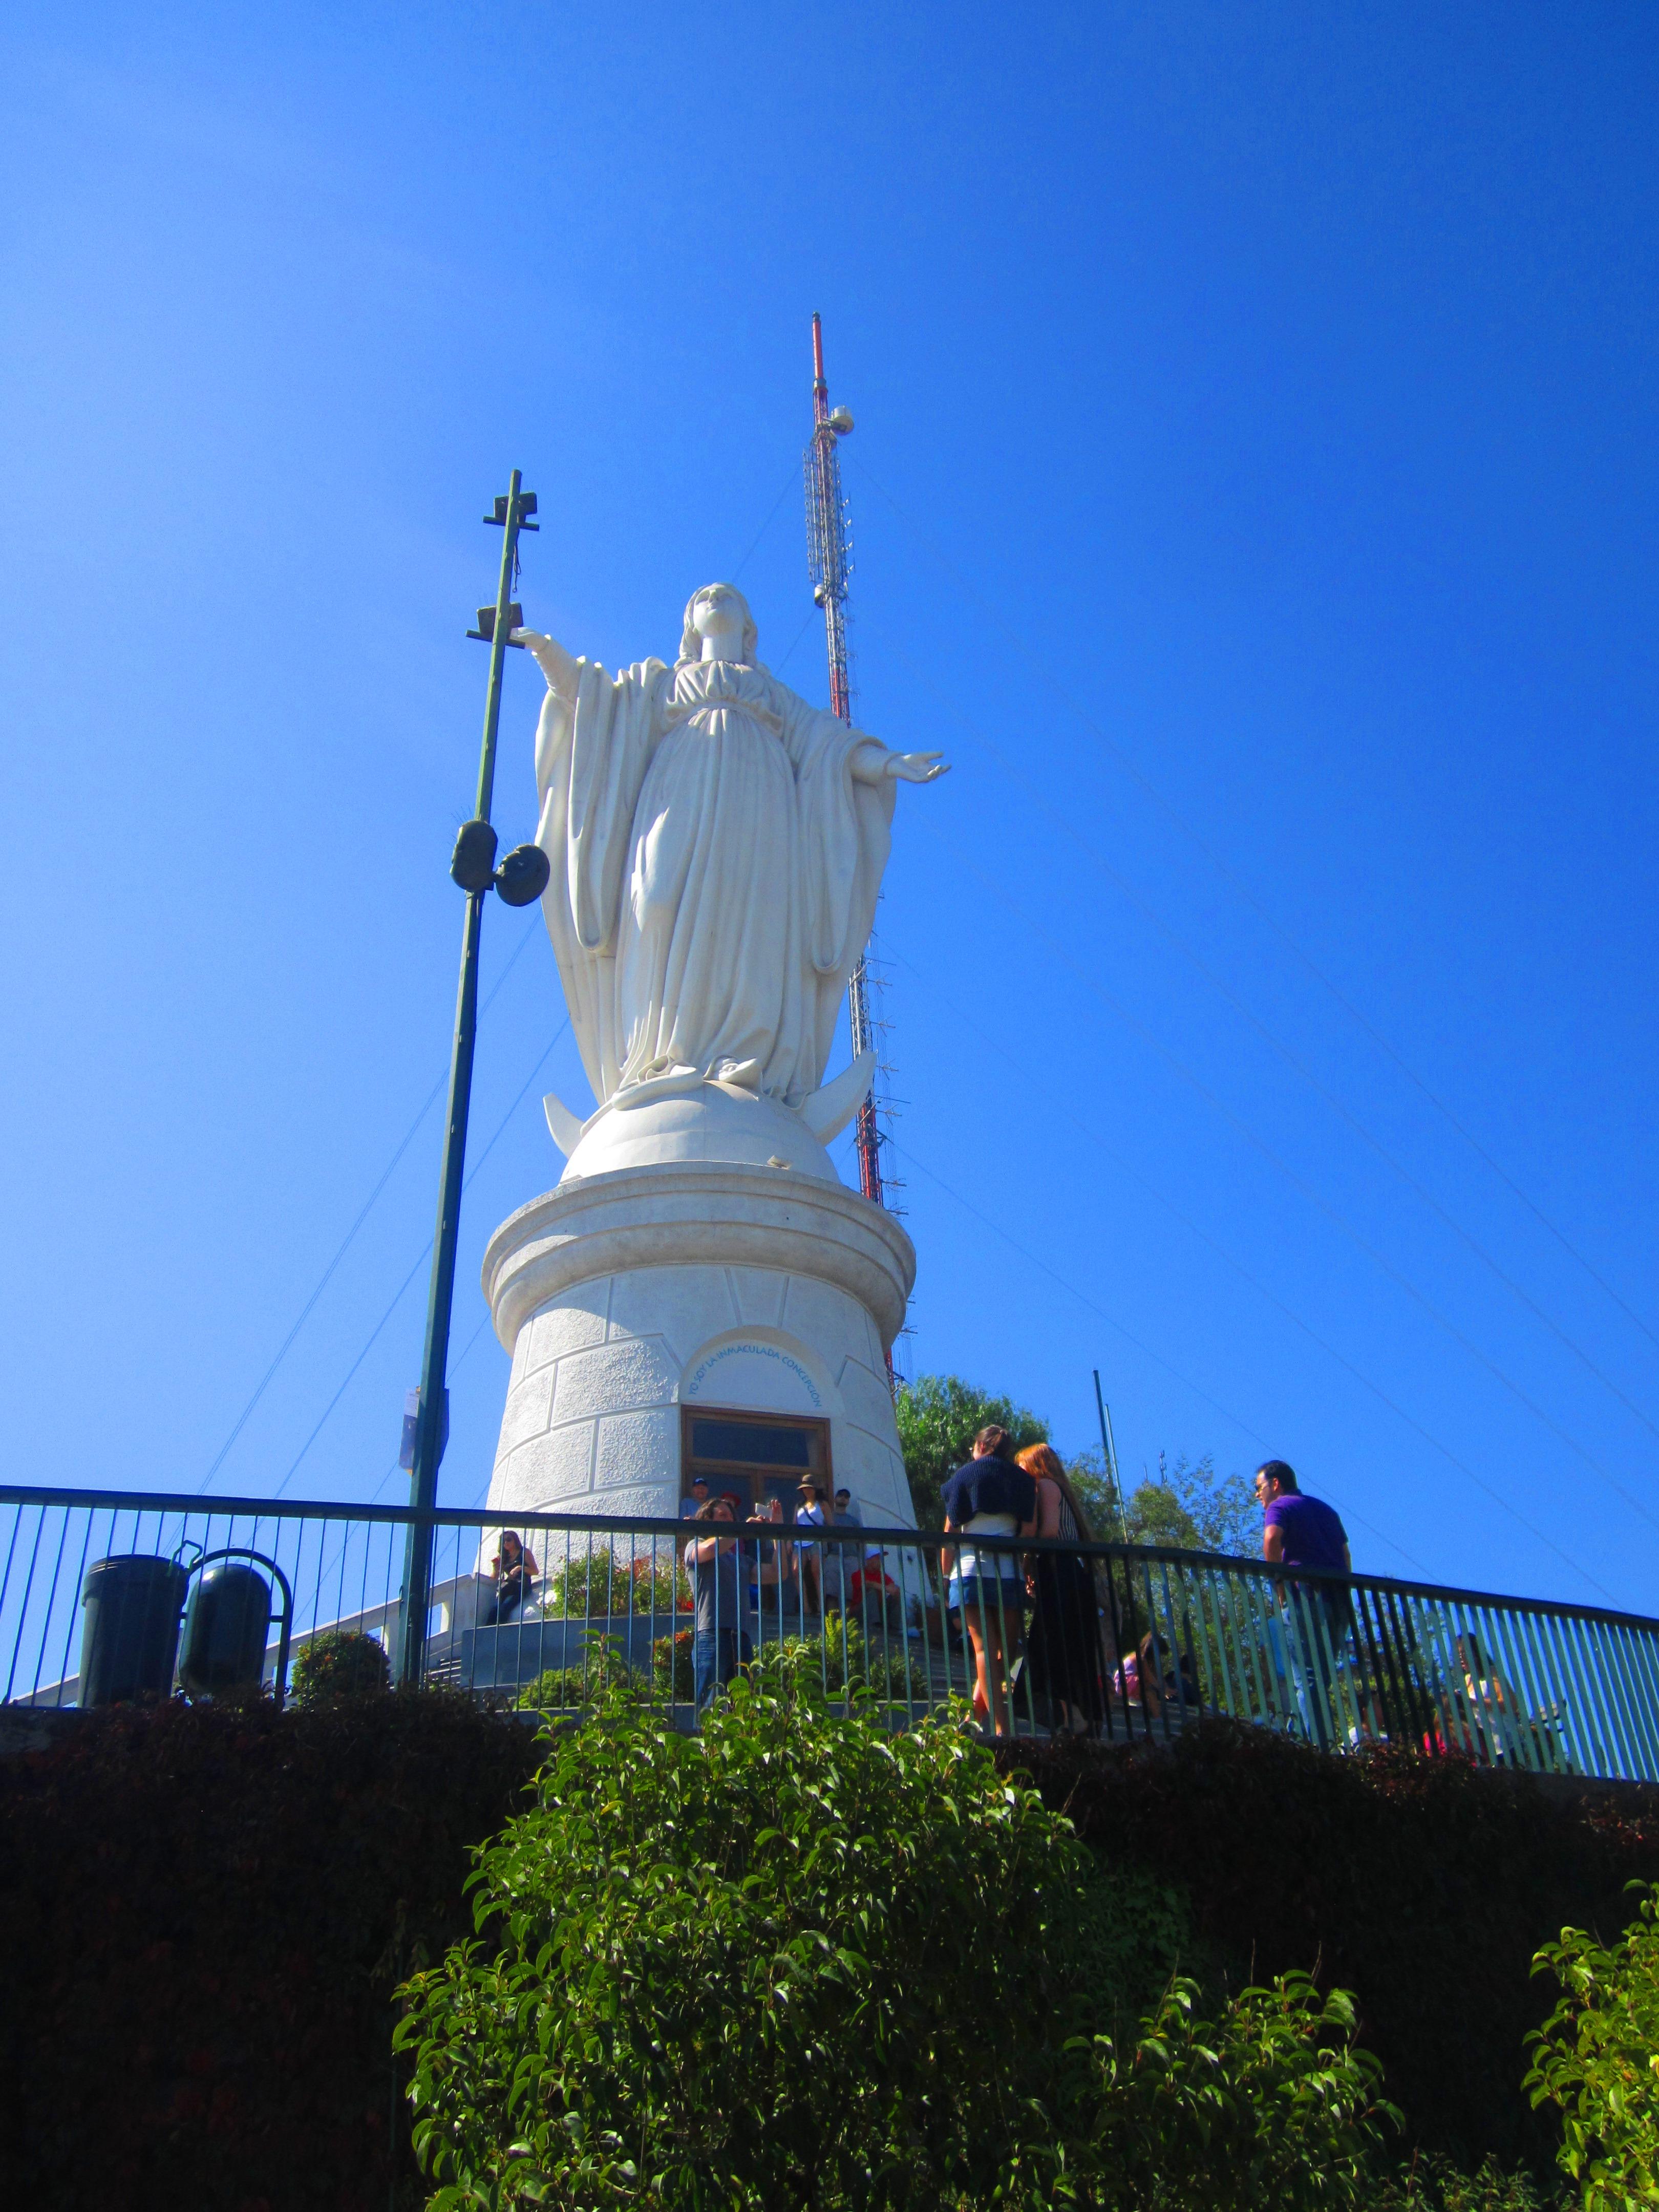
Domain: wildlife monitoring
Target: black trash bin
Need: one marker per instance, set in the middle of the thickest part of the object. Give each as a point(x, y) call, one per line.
point(130, 1635)
point(228, 1631)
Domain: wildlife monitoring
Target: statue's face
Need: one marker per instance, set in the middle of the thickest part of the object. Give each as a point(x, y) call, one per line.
point(720, 615)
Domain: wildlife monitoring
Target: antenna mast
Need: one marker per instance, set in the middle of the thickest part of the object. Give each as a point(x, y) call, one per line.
point(830, 560)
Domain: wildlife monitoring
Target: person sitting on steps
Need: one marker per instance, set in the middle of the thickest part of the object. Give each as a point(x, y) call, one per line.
point(513, 1570)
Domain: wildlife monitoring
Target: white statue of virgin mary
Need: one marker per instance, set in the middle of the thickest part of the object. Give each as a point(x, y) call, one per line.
point(716, 845)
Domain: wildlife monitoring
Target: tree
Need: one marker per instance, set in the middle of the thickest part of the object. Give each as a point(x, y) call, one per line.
point(803, 1960)
point(1188, 1509)
point(1596, 2058)
point(938, 1417)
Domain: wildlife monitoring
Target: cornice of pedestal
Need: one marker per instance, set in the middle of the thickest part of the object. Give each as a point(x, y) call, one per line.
point(698, 1214)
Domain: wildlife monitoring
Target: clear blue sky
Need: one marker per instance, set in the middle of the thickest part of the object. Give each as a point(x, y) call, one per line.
point(1255, 494)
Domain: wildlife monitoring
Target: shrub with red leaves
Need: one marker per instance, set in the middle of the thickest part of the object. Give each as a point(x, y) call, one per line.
point(202, 1916)
point(1422, 1884)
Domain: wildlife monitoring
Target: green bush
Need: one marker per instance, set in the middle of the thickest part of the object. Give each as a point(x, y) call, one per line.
point(803, 1960)
point(1433, 2184)
point(1269, 2105)
point(562, 1689)
point(843, 1660)
point(323, 1852)
point(340, 1662)
point(1596, 2058)
point(848, 1660)
point(1421, 1883)
point(600, 1583)
point(673, 1667)
point(555, 1689)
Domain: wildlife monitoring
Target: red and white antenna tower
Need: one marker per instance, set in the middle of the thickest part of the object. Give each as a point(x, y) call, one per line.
point(829, 559)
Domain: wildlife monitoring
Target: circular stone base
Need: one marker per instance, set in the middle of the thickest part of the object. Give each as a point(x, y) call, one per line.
point(626, 1297)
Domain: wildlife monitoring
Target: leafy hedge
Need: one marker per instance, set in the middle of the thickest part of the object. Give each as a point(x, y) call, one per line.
point(203, 1915)
point(1596, 2059)
point(602, 1584)
point(800, 1963)
point(846, 1659)
point(1422, 1885)
point(340, 1662)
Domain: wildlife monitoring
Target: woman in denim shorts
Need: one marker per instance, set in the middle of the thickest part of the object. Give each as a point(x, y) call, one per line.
point(989, 1496)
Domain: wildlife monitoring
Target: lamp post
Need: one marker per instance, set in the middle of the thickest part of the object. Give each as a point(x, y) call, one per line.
point(522, 876)
point(1108, 1447)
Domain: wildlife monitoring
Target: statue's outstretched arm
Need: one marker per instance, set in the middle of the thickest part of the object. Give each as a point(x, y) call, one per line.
point(556, 722)
point(874, 763)
point(555, 663)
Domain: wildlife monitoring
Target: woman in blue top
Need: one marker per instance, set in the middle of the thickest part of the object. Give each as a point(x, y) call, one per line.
point(989, 1496)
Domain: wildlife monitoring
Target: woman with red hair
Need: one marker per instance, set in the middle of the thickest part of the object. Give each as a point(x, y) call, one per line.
point(1062, 1651)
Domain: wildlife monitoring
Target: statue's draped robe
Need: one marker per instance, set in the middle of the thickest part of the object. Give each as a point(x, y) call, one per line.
point(715, 866)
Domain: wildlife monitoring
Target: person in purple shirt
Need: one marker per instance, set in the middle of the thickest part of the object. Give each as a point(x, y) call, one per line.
point(1301, 1531)
point(1298, 1531)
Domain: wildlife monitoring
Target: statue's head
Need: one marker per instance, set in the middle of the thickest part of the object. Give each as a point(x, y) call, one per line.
point(719, 614)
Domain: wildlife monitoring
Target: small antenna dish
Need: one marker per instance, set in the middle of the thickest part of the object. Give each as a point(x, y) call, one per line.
point(841, 421)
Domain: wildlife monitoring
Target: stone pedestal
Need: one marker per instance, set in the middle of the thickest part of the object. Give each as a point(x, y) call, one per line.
point(625, 1296)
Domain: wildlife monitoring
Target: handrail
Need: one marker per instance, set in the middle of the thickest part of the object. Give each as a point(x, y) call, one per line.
point(893, 1538)
point(1131, 1642)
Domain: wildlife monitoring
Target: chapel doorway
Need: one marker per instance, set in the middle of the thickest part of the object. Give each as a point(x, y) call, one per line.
point(753, 1456)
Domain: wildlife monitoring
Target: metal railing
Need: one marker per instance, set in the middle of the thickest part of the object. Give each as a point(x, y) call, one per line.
point(1103, 1640)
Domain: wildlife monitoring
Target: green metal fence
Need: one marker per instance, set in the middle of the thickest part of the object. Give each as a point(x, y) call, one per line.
point(1106, 1640)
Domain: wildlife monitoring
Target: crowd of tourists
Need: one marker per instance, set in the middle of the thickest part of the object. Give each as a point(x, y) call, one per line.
point(1056, 1636)
point(748, 1580)
point(1056, 1618)
point(1051, 1632)
point(1048, 1620)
